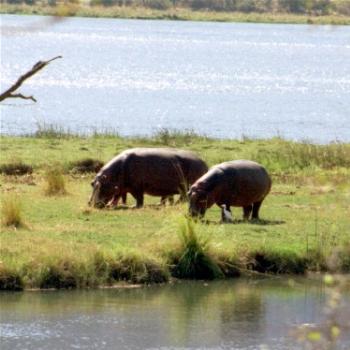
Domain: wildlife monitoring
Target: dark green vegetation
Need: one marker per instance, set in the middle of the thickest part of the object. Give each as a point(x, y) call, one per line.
point(267, 11)
point(62, 243)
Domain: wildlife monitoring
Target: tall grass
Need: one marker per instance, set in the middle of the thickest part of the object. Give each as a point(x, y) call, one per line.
point(11, 211)
point(16, 168)
point(173, 137)
point(10, 279)
point(55, 184)
point(193, 259)
point(298, 156)
point(51, 131)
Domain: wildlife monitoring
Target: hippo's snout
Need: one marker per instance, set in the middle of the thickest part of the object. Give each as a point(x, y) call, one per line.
point(196, 212)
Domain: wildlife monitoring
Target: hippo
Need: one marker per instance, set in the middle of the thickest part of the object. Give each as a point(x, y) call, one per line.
point(238, 183)
point(159, 172)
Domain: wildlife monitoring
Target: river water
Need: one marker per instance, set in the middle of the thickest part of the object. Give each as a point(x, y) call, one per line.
point(241, 314)
point(136, 77)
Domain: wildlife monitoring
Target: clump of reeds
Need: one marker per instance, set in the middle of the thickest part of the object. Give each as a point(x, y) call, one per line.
point(169, 137)
point(11, 212)
point(51, 131)
point(293, 155)
point(10, 279)
point(16, 168)
point(86, 165)
point(277, 262)
point(135, 268)
point(193, 260)
point(60, 274)
point(55, 184)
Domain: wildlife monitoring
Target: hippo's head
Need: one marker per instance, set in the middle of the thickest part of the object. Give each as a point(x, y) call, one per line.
point(103, 191)
point(198, 200)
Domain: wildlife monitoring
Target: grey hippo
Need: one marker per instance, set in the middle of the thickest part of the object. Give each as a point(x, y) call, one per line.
point(159, 172)
point(238, 183)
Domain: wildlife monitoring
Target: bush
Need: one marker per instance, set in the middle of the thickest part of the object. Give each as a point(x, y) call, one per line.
point(55, 184)
point(342, 7)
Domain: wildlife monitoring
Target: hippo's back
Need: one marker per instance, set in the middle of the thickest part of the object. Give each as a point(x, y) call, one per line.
point(159, 171)
point(238, 182)
point(192, 166)
point(248, 180)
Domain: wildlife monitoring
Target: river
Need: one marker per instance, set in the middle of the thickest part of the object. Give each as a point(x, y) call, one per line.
point(239, 314)
point(136, 77)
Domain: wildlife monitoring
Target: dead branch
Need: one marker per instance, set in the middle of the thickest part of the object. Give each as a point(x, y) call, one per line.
point(9, 93)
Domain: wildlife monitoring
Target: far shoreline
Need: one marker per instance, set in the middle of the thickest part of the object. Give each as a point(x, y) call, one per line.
point(173, 14)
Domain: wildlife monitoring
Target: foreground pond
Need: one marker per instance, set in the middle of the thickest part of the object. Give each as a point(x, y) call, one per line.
point(241, 314)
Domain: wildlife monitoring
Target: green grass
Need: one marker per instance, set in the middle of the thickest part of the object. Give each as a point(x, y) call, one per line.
point(304, 220)
point(11, 211)
point(183, 14)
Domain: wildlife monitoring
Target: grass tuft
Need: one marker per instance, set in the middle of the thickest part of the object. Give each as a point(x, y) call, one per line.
point(278, 262)
point(10, 279)
point(86, 165)
point(173, 137)
point(16, 168)
point(60, 275)
point(55, 184)
point(137, 269)
point(11, 212)
point(193, 260)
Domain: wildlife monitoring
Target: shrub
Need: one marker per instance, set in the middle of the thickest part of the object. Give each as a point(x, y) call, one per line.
point(55, 184)
point(16, 168)
point(11, 212)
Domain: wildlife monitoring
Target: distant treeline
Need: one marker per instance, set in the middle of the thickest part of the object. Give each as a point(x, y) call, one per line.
point(311, 7)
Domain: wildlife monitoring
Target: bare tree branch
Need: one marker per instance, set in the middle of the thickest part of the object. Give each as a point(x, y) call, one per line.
point(22, 96)
point(9, 93)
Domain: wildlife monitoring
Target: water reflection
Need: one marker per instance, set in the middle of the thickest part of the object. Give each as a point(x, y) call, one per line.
point(239, 314)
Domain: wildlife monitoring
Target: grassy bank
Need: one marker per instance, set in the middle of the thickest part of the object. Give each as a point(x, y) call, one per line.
point(183, 14)
point(58, 241)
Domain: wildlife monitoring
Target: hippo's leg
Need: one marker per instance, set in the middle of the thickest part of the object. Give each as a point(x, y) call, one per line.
point(124, 198)
point(246, 211)
point(165, 198)
point(171, 200)
point(256, 207)
point(138, 195)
